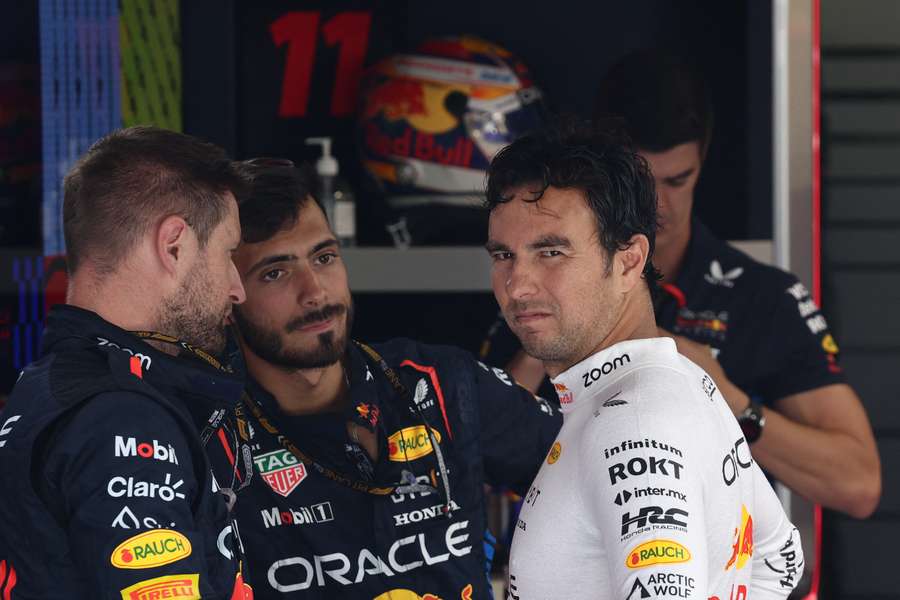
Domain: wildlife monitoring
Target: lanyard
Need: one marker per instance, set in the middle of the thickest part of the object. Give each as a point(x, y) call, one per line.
point(168, 339)
point(408, 483)
point(404, 393)
point(305, 458)
point(216, 419)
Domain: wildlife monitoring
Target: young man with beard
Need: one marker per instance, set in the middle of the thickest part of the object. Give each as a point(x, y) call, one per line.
point(106, 489)
point(372, 459)
point(753, 328)
point(649, 489)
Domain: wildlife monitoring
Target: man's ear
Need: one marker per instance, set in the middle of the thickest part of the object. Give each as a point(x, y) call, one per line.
point(631, 261)
point(173, 242)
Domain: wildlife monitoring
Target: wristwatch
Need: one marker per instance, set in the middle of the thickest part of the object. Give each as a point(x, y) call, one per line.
point(752, 421)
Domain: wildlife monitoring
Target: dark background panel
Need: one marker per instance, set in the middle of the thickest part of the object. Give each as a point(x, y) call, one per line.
point(458, 319)
point(864, 301)
point(568, 49)
point(861, 270)
point(889, 507)
point(856, 566)
point(872, 373)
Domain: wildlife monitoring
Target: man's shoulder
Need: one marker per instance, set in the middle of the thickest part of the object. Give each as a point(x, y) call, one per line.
point(728, 269)
point(117, 415)
point(659, 390)
point(409, 352)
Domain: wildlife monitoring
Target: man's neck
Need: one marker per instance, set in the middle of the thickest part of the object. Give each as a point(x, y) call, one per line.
point(670, 254)
point(116, 304)
point(635, 322)
point(301, 391)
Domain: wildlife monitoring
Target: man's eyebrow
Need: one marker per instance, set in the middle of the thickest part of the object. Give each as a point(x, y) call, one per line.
point(330, 242)
point(494, 246)
point(681, 175)
point(271, 260)
point(550, 241)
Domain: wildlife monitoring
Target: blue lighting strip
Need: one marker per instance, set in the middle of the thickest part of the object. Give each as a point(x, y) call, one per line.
point(27, 276)
point(79, 93)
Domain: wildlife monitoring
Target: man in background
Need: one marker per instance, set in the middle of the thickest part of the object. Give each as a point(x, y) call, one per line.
point(753, 328)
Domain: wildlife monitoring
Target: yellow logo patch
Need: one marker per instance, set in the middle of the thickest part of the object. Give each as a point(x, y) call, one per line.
point(657, 552)
point(183, 587)
point(829, 345)
point(742, 548)
point(555, 451)
point(411, 443)
point(151, 549)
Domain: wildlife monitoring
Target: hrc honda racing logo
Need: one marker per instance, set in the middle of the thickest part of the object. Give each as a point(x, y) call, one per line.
point(299, 573)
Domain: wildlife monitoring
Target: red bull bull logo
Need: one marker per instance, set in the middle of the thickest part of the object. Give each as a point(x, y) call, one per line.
point(395, 99)
point(742, 549)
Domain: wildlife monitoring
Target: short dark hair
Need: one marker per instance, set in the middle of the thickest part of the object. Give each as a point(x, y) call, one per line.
point(662, 99)
point(131, 179)
point(598, 160)
point(276, 190)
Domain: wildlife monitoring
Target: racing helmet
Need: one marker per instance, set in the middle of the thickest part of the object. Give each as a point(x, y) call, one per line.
point(430, 121)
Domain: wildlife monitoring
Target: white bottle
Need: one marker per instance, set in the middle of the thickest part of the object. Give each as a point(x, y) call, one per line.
point(336, 198)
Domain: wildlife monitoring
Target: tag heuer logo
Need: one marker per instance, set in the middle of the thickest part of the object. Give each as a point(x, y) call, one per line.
point(717, 277)
point(281, 470)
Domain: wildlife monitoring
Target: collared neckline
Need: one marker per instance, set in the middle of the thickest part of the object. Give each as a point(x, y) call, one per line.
point(74, 328)
point(577, 385)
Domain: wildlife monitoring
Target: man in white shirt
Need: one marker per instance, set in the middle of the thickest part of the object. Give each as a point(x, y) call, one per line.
point(650, 489)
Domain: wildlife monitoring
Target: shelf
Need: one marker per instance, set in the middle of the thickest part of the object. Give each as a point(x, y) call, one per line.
point(448, 268)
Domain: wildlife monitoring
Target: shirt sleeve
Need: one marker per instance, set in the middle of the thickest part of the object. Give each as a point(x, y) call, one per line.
point(121, 475)
point(517, 428)
point(644, 491)
point(798, 347)
point(777, 551)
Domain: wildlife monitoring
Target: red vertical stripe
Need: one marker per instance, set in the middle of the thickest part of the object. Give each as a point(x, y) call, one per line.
point(816, 153)
point(10, 583)
point(816, 239)
point(228, 453)
point(135, 364)
point(432, 374)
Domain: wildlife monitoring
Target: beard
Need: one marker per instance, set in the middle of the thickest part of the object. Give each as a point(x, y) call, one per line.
point(269, 344)
point(558, 348)
point(188, 316)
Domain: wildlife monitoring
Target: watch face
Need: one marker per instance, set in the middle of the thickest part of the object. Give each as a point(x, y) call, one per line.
point(751, 428)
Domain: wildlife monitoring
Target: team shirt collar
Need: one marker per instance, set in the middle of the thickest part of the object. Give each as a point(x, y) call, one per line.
point(581, 382)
